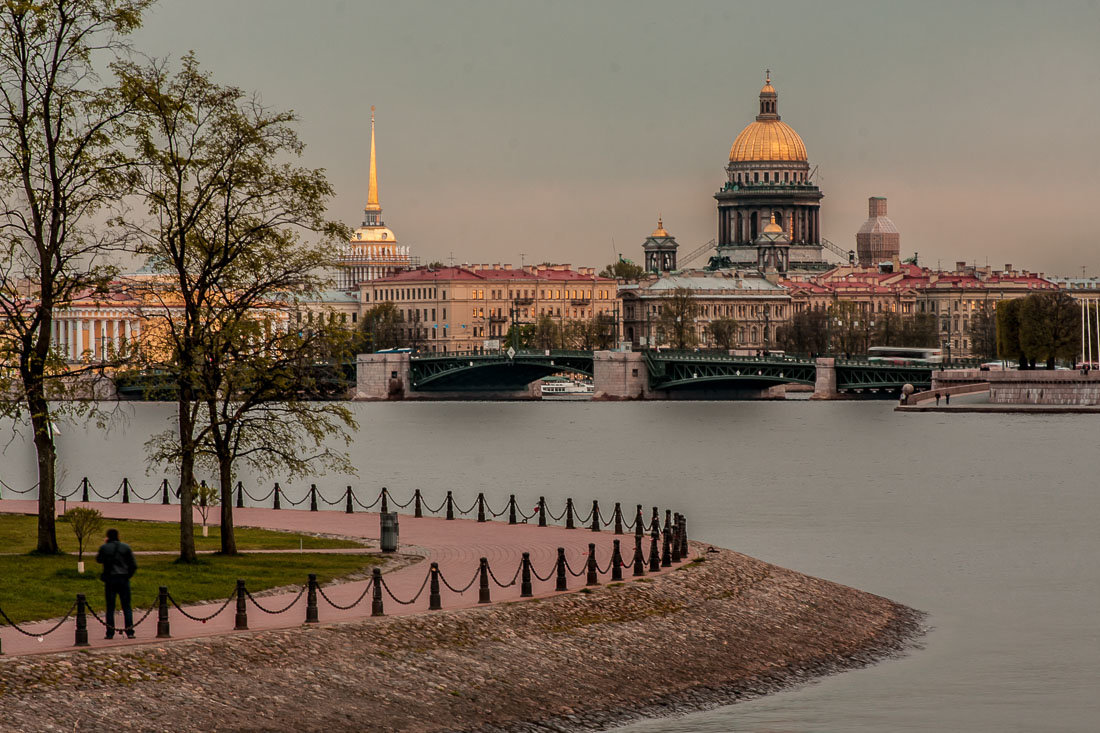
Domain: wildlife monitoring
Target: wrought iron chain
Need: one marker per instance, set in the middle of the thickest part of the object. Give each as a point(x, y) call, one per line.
point(428, 509)
point(414, 598)
point(548, 575)
point(366, 507)
point(468, 585)
point(570, 569)
point(54, 628)
point(505, 585)
point(202, 619)
point(263, 498)
point(281, 610)
point(353, 604)
point(9, 487)
point(400, 505)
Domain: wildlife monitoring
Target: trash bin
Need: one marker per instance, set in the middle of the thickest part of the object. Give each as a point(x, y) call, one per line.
point(390, 531)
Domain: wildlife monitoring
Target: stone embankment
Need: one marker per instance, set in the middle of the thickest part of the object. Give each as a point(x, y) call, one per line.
point(714, 632)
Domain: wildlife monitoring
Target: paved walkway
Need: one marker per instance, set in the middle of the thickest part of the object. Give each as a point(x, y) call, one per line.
point(457, 546)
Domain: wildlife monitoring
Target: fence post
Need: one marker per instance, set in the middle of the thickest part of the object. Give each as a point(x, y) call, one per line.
point(542, 511)
point(164, 492)
point(639, 559)
point(418, 510)
point(385, 509)
point(433, 592)
point(348, 508)
point(82, 622)
point(618, 518)
point(125, 490)
point(376, 600)
point(562, 582)
point(481, 506)
point(655, 519)
point(683, 538)
point(569, 514)
point(311, 600)
point(277, 495)
point(450, 506)
point(639, 523)
point(313, 497)
point(593, 577)
point(668, 520)
point(511, 509)
point(666, 552)
point(616, 562)
point(163, 629)
point(525, 578)
point(483, 587)
point(654, 552)
point(595, 516)
point(84, 489)
point(242, 610)
point(240, 495)
point(675, 541)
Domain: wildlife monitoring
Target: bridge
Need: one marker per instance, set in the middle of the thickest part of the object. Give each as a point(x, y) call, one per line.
point(628, 375)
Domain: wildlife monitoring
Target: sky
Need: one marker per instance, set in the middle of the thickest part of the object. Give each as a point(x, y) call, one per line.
point(558, 131)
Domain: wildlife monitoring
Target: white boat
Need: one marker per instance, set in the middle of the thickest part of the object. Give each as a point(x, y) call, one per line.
point(560, 388)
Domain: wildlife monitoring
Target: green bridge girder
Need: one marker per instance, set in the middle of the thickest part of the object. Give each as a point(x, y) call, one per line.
point(680, 370)
point(852, 376)
point(493, 371)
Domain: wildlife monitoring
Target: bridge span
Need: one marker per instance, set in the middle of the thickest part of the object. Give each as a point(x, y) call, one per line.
point(627, 375)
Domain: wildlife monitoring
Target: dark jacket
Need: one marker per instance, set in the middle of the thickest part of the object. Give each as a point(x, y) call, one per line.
point(117, 560)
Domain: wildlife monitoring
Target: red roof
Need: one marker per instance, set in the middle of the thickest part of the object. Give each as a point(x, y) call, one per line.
point(424, 274)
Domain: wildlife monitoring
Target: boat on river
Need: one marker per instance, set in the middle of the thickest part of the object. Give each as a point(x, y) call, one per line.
point(563, 388)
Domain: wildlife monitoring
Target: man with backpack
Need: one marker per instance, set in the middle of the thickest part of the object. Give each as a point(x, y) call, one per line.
point(119, 566)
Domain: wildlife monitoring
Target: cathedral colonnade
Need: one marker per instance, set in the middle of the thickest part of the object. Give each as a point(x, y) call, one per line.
point(741, 226)
point(96, 337)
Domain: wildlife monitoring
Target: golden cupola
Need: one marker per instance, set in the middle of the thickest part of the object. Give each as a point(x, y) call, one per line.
point(768, 138)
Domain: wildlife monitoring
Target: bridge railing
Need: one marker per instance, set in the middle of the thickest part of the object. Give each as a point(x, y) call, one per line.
point(499, 353)
point(682, 355)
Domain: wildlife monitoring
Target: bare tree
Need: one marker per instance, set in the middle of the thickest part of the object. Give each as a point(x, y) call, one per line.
point(679, 311)
point(60, 171)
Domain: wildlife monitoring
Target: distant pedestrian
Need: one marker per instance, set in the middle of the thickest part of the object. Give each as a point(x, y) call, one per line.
point(937, 399)
point(948, 396)
point(119, 566)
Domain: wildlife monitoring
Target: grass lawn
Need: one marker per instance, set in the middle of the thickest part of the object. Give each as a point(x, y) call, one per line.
point(39, 587)
point(19, 534)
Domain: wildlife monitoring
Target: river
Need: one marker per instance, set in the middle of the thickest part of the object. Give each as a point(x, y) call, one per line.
point(986, 522)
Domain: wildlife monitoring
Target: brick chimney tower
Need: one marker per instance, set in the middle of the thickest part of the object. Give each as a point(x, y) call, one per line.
point(878, 240)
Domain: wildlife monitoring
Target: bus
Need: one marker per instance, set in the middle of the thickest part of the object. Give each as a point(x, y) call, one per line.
point(904, 355)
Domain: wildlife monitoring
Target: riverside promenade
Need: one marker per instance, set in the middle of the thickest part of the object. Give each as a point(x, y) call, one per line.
point(455, 545)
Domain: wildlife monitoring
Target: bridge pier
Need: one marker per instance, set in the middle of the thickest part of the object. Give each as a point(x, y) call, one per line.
point(620, 375)
point(381, 376)
point(825, 385)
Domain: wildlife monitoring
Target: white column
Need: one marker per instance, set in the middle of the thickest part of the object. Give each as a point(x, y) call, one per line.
point(101, 338)
point(129, 336)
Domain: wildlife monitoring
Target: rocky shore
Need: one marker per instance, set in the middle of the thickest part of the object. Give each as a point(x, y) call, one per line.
point(725, 628)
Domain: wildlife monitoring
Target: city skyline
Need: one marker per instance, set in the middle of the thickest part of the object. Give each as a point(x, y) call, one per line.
point(561, 132)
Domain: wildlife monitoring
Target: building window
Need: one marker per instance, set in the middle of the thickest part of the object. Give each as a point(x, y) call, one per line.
point(765, 176)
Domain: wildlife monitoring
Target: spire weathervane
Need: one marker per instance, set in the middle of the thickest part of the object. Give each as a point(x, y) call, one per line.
point(373, 209)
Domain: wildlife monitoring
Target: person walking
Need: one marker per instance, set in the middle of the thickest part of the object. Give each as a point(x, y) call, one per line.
point(937, 399)
point(119, 566)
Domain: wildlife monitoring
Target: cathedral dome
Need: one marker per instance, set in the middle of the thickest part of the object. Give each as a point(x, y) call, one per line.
point(768, 140)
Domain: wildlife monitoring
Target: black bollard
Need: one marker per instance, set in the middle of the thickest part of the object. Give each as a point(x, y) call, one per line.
point(569, 514)
point(683, 537)
point(668, 520)
point(483, 587)
point(562, 583)
point(618, 518)
point(313, 497)
point(675, 540)
point(348, 508)
point(639, 558)
point(639, 523)
point(525, 577)
point(84, 489)
point(654, 552)
point(385, 501)
point(450, 506)
point(616, 563)
point(511, 509)
point(125, 490)
point(241, 623)
point(240, 495)
point(592, 577)
point(433, 592)
point(164, 492)
point(542, 511)
point(481, 507)
point(418, 510)
point(595, 516)
point(276, 492)
point(666, 552)
point(82, 622)
point(164, 631)
point(655, 519)
point(311, 600)
point(376, 599)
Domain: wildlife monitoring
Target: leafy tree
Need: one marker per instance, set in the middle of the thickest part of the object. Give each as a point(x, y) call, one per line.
point(547, 333)
point(207, 497)
point(1008, 333)
point(623, 270)
point(918, 330)
point(521, 336)
point(676, 321)
point(983, 332)
point(60, 171)
point(806, 333)
point(435, 265)
point(846, 327)
point(1050, 327)
point(85, 522)
point(382, 327)
point(723, 331)
point(223, 236)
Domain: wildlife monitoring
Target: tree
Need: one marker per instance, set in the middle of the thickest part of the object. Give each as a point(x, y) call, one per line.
point(806, 333)
point(983, 332)
point(676, 321)
point(223, 236)
point(546, 335)
point(917, 330)
point(85, 522)
point(1050, 327)
point(207, 497)
point(60, 170)
point(623, 270)
point(724, 332)
point(1008, 333)
point(381, 327)
point(847, 334)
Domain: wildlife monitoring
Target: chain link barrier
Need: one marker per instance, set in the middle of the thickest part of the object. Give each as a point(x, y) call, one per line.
point(36, 634)
point(548, 575)
point(469, 585)
point(203, 619)
point(353, 604)
point(8, 487)
point(268, 611)
point(331, 503)
point(397, 600)
point(126, 629)
point(261, 499)
point(366, 507)
point(504, 585)
point(428, 508)
point(569, 568)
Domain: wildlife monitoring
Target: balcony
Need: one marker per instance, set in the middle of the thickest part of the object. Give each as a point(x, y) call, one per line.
point(580, 301)
point(524, 301)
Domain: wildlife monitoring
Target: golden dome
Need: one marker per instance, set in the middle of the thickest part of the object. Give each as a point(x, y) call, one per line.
point(768, 140)
point(660, 230)
point(771, 227)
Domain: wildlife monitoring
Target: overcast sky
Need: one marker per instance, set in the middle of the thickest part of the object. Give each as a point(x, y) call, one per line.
point(560, 129)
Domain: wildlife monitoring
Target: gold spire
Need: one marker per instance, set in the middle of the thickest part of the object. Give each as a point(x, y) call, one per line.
point(660, 230)
point(372, 191)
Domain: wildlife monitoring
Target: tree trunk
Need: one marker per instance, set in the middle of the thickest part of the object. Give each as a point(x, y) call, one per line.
point(47, 459)
point(187, 475)
point(229, 540)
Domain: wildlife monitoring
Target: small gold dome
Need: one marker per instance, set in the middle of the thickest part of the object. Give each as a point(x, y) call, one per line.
point(660, 230)
point(768, 140)
point(771, 227)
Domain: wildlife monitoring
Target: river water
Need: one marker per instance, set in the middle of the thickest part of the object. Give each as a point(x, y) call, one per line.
point(986, 522)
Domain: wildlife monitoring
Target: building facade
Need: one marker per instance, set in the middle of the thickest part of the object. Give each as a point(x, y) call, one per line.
point(878, 240)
